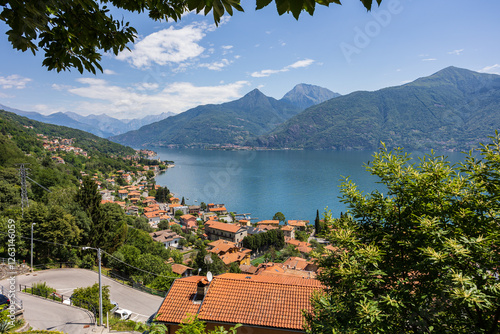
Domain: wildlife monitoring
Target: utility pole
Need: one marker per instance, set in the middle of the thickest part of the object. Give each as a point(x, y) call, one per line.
point(32, 246)
point(100, 286)
point(24, 191)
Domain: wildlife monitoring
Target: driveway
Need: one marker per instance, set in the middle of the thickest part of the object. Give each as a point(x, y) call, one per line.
point(142, 304)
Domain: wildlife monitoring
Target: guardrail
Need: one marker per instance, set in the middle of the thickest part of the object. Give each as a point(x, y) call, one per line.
point(136, 285)
point(55, 265)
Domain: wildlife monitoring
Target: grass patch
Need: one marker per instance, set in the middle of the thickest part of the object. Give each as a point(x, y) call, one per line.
point(258, 260)
point(117, 324)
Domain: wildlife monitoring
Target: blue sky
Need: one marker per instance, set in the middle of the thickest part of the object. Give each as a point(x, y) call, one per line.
point(177, 66)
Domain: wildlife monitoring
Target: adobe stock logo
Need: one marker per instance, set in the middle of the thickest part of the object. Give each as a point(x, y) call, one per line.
point(363, 37)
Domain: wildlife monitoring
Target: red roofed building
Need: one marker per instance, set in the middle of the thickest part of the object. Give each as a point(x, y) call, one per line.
point(263, 304)
point(217, 230)
point(299, 224)
point(218, 210)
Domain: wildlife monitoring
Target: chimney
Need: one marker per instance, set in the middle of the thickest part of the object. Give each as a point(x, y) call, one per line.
point(201, 289)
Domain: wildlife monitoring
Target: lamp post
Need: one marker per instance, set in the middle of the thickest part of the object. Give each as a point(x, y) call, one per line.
point(100, 286)
point(32, 224)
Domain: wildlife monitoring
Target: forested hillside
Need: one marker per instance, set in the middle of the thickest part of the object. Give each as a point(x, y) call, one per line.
point(453, 109)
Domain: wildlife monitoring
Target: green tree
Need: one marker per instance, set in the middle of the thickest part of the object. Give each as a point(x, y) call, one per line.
point(183, 201)
point(421, 258)
point(317, 224)
point(176, 228)
point(234, 268)
point(178, 214)
point(301, 236)
point(163, 281)
point(88, 298)
point(279, 216)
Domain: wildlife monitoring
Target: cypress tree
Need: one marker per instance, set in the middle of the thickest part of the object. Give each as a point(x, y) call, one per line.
point(317, 225)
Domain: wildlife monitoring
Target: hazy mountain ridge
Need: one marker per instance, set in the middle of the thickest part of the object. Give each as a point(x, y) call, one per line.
point(451, 109)
point(101, 125)
point(235, 122)
point(232, 122)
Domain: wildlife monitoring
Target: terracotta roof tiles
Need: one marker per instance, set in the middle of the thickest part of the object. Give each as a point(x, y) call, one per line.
point(275, 302)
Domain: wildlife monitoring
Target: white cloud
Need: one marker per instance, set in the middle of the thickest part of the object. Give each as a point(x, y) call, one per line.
point(301, 63)
point(129, 102)
point(45, 109)
point(14, 81)
point(493, 69)
point(217, 65)
point(227, 47)
point(5, 96)
point(109, 72)
point(60, 87)
point(147, 86)
point(297, 64)
point(166, 46)
point(429, 59)
point(456, 52)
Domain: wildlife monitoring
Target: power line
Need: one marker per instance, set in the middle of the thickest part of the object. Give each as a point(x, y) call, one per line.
point(38, 184)
point(117, 259)
point(80, 247)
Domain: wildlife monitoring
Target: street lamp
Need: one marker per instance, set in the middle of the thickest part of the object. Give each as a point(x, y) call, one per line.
point(100, 286)
point(32, 246)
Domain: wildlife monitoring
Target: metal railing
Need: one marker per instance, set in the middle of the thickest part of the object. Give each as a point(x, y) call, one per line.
point(54, 265)
point(136, 285)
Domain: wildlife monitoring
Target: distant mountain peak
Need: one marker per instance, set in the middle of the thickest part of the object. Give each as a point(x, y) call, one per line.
point(306, 95)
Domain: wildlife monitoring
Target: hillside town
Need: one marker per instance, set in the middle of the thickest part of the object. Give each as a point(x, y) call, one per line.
point(280, 263)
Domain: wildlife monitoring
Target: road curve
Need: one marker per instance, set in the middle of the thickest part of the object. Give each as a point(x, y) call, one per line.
point(142, 304)
point(44, 314)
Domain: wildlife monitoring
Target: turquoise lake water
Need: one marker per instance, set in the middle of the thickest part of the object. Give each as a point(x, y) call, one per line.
point(262, 183)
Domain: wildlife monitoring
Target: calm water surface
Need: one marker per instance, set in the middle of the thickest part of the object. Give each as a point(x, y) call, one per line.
point(262, 183)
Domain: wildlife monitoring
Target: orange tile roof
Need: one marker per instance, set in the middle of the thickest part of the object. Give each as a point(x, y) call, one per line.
point(304, 249)
point(296, 263)
point(221, 246)
point(179, 268)
point(298, 222)
point(298, 243)
point(229, 258)
point(217, 209)
point(152, 214)
point(268, 301)
point(188, 217)
point(224, 226)
point(268, 222)
point(179, 301)
point(287, 228)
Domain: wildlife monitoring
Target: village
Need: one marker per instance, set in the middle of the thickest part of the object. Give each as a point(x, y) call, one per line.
point(268, 260)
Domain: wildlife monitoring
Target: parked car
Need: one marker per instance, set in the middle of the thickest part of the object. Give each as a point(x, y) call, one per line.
point(4, 302)
point(123, 314)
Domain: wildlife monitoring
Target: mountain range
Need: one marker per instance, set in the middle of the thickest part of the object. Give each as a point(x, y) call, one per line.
point(236, 122)
point(100, 125)
point(453, 109)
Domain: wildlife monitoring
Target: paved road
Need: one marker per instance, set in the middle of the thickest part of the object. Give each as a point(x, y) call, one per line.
point(142, 304)
point(44, 314)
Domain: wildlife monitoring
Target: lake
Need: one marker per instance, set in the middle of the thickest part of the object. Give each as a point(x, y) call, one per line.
point(262, 183)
